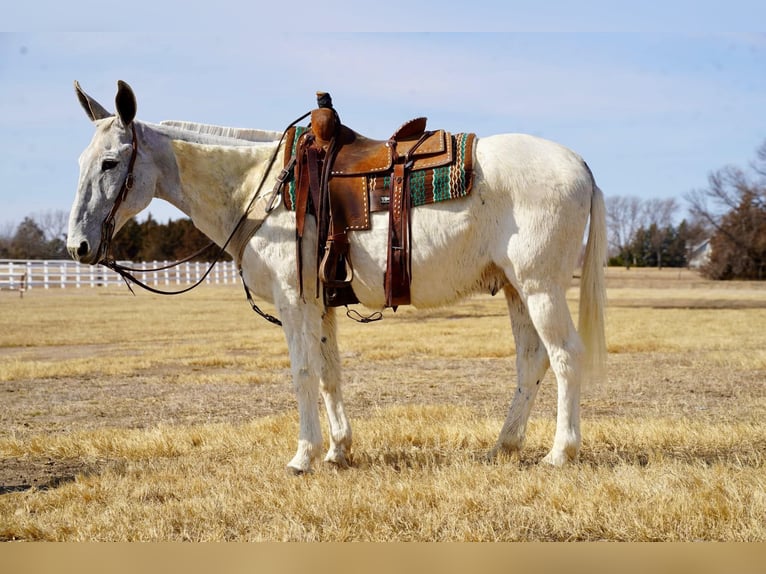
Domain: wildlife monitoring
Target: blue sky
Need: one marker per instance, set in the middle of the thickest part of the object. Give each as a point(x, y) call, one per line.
point(653, 113)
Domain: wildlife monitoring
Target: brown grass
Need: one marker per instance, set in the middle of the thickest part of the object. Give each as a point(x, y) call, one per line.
point(148, 418)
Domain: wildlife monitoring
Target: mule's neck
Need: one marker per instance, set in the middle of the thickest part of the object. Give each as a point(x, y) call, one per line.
point(215, 182)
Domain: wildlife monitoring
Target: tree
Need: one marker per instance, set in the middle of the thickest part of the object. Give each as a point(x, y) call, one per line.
point(739, 244)
point(623, 219)
point(659, 214)
point(54, 223)
point(153, 241)
point(636, 226)
point(153, 236)
point(668, 246)
point(126, 244)
point(42, 236)
point(29, 242)
point(193, 240)
point(6, 236)
point(734, 206)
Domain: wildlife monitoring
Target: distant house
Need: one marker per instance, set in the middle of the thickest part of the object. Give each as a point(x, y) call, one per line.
point(699, 255)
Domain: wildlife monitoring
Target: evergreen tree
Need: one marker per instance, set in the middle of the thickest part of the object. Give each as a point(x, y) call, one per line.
point(29, 242)
point(126, 245)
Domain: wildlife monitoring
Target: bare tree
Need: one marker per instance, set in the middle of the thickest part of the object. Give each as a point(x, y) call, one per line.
point(624, 217)
point(54, 223)
point(734, 206)
point(658, 216)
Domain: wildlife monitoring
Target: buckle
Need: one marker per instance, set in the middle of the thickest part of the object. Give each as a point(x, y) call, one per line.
point(286, 173)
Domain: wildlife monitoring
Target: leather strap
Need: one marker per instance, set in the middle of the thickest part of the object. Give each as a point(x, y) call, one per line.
point(399, 267)
point(107, 226)
point(397, 270)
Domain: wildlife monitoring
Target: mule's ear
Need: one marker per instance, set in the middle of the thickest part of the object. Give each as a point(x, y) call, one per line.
point(94, 110)
point(126, 103)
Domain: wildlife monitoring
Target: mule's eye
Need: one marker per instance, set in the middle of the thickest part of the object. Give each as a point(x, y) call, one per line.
point(108, 164)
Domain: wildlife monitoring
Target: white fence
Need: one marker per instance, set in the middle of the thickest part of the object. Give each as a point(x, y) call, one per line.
point(21, 275)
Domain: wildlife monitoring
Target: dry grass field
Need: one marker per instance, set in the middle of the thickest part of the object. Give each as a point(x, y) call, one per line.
point(154, 418)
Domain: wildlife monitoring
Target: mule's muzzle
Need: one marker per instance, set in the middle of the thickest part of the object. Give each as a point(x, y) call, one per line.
point(82, 252)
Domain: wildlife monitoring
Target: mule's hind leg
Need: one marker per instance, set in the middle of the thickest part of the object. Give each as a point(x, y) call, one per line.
point(549, 312)
point(340, 429)
point(531, 365)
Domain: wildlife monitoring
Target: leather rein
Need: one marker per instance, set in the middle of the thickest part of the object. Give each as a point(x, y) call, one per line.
point(127, 273)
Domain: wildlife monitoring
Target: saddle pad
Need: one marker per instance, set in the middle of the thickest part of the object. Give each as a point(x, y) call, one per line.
point(432, 185)
point(292, 137)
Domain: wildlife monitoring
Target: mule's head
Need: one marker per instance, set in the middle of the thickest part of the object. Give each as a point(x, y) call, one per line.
point(114, 184)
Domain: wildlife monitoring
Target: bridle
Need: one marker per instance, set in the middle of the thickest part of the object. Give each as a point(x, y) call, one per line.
point(105, 258)
point(107, 227)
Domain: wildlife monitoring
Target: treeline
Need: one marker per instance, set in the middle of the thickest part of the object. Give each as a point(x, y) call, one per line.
point(655, 246)
point(154, 241)
point(43, 236)
point(725, 230)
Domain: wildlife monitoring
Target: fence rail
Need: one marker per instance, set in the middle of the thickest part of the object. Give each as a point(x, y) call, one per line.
point(22, 275)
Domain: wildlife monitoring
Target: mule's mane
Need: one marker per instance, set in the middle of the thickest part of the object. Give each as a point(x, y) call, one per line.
point(247, 134)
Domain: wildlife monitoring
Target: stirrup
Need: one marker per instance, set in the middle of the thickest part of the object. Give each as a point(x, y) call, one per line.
point(328, 268)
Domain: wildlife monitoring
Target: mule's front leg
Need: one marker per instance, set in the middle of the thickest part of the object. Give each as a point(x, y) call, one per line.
point(310, 434)
point(302, 326)
point(340, 429)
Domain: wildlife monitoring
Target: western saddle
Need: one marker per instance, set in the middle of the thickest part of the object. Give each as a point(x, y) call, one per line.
point(340, 177)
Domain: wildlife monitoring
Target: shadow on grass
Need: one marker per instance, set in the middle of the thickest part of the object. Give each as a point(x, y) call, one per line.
point(22, 474)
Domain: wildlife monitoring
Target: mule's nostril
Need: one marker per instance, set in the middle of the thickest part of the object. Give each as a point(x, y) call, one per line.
point(84, 249)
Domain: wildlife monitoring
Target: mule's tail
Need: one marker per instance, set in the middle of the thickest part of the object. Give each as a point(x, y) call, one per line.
point(593, 290)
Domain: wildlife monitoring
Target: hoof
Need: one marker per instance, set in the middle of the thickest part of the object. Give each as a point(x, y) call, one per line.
point(559, 459)
point(492, 455)
point(299, 466)
point(293, 471)
point(504, 450)
point(340, 462)
point(339, 456)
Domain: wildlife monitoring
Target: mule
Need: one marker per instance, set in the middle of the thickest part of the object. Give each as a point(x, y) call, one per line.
point(520, 231)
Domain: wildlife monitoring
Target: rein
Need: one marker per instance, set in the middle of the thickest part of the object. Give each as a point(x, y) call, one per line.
point(127, 273)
